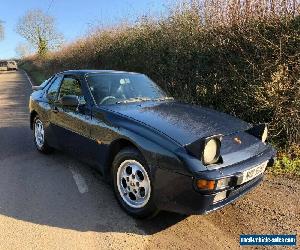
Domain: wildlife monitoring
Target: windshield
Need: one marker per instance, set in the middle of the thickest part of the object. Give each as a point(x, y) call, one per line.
point(117, 88)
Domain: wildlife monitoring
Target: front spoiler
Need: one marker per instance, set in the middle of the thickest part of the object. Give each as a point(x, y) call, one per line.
point(188, 201)
point(176, 192)
point(233, 195)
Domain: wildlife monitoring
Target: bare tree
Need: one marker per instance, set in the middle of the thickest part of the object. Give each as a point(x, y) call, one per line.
point(23, 50)
point(1, 30)
point(39, 29)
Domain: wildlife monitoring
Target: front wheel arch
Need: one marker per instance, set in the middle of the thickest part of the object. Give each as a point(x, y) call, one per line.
point(33, 114)
point(44, 148)
point(114, 148)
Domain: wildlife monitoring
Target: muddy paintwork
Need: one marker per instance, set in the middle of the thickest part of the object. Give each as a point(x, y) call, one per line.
point(182, 122)
point(163, 131)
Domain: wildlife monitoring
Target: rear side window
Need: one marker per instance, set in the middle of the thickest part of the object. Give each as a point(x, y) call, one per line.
point(53, 89)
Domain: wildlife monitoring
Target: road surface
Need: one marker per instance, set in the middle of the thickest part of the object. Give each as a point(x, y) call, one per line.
point(55, 202)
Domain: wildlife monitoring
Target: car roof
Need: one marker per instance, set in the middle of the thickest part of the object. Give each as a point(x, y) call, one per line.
point(91, 71)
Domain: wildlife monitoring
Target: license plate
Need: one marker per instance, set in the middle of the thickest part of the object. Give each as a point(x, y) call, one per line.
point(253, 172)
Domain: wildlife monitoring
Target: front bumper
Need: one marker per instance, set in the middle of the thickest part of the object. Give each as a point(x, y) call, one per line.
point(176, 192)
point(232, 195)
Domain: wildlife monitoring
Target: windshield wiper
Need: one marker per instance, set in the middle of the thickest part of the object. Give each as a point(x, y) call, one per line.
point(135, 99)
point(163, 98)
point(143, 99)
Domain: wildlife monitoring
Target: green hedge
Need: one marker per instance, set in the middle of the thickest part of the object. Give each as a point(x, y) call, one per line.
point(249, 70)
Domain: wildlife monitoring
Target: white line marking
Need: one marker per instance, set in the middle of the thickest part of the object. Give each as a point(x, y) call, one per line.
point(28, 78)
point(79, 180)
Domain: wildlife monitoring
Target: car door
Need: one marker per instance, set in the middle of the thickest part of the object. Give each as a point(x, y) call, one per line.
point(50, 97)
point(72, 123)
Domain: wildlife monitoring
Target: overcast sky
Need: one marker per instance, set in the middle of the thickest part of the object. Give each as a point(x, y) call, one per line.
point(73, 17)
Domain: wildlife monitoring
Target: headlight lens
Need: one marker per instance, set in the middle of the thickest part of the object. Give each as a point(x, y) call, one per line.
point(260, 131)
point(265, 134)
point(211, 151)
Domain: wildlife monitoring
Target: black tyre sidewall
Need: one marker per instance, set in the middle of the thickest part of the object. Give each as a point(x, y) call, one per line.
point(45, 148)
point(149, 210)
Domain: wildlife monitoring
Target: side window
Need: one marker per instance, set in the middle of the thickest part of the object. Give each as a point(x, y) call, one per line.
point(71, 86)
point(54, 87)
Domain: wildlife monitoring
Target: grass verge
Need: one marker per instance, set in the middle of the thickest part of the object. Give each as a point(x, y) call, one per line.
point(288, 162)
point(37, 76)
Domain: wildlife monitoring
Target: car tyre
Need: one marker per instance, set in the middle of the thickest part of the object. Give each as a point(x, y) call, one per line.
point(40, 139)
point(133, 184)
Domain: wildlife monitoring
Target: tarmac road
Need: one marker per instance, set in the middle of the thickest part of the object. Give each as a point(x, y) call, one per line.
point(55, 202)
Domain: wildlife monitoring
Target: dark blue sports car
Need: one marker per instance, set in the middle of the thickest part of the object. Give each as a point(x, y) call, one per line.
point(158, 153)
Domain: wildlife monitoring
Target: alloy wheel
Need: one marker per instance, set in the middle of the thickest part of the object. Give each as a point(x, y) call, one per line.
point(39, 133)
point(133, 184)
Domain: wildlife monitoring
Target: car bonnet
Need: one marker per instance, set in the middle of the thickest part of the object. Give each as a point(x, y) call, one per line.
point(183, 123)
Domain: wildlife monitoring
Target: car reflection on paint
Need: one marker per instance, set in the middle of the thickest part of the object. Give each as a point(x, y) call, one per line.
point(158, 153)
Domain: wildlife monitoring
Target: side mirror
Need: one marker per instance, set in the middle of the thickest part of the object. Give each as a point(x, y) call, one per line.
point(69, 100)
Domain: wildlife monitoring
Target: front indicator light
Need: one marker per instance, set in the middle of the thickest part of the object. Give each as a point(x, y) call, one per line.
point(206, 184)
point(220, 196)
